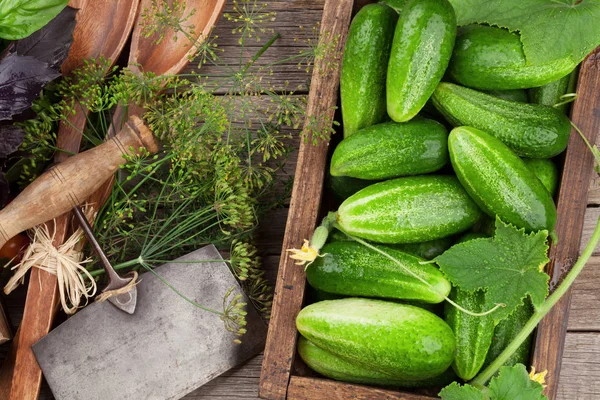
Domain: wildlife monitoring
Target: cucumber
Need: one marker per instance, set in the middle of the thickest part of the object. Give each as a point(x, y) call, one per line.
point(473, 334)
point(408, 210)
point(470, 236)
point(314, 295)
point(519, 95)
point(427, 250)
point(531, 130)
point(332, 366)
point(402, 341)
point(487, 57)
point(351, 269)
point(499, 181)
point(545, 170)
point(486, 226)
point(364, 67)
point(337, 236)
point(397, 5)
point(345, 186)
point(390, 150)
point(549, 94)
point(421, 50)
point(505, 332)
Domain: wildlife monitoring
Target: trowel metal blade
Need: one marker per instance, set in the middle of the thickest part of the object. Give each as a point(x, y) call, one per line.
point(126, 301)
point(166, 349)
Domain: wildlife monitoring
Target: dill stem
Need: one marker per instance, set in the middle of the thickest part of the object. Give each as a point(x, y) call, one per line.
point(539, 313)
point(130, 263)
point(261, 51)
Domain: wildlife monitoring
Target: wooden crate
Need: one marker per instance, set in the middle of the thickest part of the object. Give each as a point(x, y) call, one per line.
point(283, 375)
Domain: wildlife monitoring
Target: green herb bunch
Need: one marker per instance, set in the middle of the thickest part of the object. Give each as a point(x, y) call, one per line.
point(225, 139)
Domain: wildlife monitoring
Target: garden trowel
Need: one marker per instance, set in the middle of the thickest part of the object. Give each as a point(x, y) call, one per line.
point(166, 349)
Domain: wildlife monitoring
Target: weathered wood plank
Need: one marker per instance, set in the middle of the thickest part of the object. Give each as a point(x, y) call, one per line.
point(591, 218)
point(580, 367)
point(294, 21)
point(304, 208)
point(585, 303)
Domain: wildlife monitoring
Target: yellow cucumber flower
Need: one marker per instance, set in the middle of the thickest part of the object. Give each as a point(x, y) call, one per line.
point(304, 255)
point(540, 377)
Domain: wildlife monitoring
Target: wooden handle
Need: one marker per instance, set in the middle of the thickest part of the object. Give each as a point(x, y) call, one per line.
point(69, 183)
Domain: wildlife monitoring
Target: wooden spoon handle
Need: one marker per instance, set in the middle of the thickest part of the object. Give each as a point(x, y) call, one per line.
point(69, 183)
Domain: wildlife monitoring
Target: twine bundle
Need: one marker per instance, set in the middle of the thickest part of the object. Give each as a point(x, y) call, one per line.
point(64, 261)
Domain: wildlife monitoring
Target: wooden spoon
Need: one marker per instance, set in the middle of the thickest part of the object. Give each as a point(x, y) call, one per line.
point(169, 57)
point(103, 27)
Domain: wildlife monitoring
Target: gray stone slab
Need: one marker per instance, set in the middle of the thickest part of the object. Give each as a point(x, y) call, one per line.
point(166, 349)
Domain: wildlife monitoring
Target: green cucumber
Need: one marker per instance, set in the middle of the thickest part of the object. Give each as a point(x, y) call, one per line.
point(399, 340)
point(473, 334)
point(345, 186)
point(337, 236)
point(518, 95)
point(545, 170)
point(550, 94)
point(421, 50)
point(471, 235)
point(499, 181)
point(390, 150)
point(351, 269)
point(487, 57)
point(334, 367)
point(397, 5)
point(427, 250)
point(505, 332)
point(531, 130)
point(408, 210)
point(486, 226)
point(315, 295)
point(364, 67)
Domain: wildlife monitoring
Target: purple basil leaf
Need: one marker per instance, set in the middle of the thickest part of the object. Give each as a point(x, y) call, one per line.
point(11, 138)
point(21, 81)
point(50, 44)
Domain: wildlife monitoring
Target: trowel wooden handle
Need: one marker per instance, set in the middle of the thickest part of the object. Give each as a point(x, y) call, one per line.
point(69, 183)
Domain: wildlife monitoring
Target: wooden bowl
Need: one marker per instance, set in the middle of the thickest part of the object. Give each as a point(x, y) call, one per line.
point(177, 46)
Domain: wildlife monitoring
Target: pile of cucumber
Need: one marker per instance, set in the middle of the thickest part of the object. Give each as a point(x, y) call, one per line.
point(445, 129)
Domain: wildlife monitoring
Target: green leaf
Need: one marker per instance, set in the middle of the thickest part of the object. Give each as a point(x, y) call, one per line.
point(508, 267)
point(513, 383)
point(550, 30)
point(456, 392)
point(20, 18)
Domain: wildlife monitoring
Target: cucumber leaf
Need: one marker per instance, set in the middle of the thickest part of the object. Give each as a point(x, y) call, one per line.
point(20, 18)
point(550, 29)
point(508, 267)
point(456, 392)
point(512, 383)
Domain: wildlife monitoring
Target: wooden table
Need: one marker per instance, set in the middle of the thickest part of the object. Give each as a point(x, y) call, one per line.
point(580, 376)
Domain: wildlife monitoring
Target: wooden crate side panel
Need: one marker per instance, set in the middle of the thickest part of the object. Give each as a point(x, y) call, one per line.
point(577, 173)
point(303, 388)
point(304, 206)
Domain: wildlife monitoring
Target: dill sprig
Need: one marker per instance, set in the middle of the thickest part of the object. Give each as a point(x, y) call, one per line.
point(225, 139)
